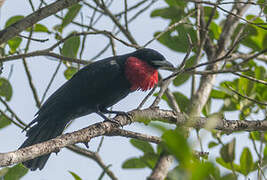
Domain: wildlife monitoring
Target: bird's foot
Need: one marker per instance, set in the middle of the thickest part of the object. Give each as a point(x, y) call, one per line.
point(113, 121)
point(122, 113)
point(86, 144)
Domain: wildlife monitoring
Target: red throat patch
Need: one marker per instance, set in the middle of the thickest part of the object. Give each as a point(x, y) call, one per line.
point(140, 74)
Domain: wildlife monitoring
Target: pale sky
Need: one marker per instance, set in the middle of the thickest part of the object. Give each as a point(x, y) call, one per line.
point(115, 150)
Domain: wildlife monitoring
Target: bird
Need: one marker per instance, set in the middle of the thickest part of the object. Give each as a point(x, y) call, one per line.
point(93, 89)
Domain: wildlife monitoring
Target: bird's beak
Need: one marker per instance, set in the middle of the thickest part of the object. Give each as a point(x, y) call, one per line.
point(164, 65)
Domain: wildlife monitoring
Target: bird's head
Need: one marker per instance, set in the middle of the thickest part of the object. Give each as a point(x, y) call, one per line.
point(153, 58)
point(141, 68)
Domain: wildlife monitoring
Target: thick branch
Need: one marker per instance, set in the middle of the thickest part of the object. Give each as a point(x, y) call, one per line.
point(206, 83)
point(106, 128)
point(33, 18)
point(161, 170)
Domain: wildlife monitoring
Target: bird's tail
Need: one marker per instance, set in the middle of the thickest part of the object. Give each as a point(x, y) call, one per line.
point(44, 130)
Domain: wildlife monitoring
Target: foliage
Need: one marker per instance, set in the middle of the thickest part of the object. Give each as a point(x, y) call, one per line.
point(188, 166)
point(249, 77)
point(14, 173)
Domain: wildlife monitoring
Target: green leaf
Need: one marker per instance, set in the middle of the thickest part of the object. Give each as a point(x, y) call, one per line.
point(216, 94)
point(4, 121)
point(150, 159)
point(69, 72)
point(15, 172)
point(5, 89)
point(215, 30)
point(260, 73)
point(177, 145)
point(207, 108)
point(208, 11)
point(212, 144)
point(173, 12)
point(75, 176)
point(182, 78)
point(255, 135)
point(179, 3)
point(14, 44)
point(13, 20)
point(264, 42)
point(71, 14)
point(71, 47)
point(41, 28)
point(228, 177)
point(220, 161)
point(177, 40)
point(202, 171)
point(182, 101)
point(3, 171)
point(246, 86)
point(229, 105)
point(255, 38)
point(133, 163)
point(265, 153)
point(228, 152)
point(142, 145)
point(246, 161)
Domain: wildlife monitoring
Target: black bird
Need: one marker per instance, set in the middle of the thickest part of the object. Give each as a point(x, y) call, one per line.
point(94, 88)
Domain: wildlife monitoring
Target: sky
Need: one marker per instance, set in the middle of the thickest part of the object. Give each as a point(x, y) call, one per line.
point(115, 150)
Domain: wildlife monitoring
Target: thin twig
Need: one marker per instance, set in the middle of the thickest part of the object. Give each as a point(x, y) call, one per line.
point(51, 81)
point(95, 156)
point(169, 28)
point(250, 78)
point(246, 97)
point(231, 13)
point(146, 98)
point(34, 39)
point(14, 29)
point(127, 34)
point(34, 91)
point(11, 120)
point(165, 83)
point(126, 15)
point(12, 112)
point(44, 53)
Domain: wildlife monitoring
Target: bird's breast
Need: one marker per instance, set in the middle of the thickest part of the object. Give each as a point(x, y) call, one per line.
point(140, 74)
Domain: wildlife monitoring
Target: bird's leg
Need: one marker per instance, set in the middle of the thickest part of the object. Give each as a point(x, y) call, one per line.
point(106, 118)
point(117, 113)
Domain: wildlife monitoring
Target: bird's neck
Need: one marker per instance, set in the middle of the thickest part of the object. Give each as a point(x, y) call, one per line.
point(140, 74)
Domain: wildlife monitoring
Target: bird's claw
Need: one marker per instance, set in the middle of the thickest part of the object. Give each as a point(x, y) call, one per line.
point(113, 121)
point(129, 116)
point(86, 144)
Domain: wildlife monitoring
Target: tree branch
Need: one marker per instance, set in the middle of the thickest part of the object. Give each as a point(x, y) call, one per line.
point(95, 156)
point(33, 18)
point(43, 53)
point(206, 83)
point(106, 128)
point(161, 170)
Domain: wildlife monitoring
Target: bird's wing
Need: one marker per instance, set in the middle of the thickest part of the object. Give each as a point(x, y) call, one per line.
point(83, 85)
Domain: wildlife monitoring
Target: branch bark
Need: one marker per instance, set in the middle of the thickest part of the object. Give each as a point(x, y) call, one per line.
point(107, 128)
point(206, 83)
point(33, 18)
point(162, 167)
